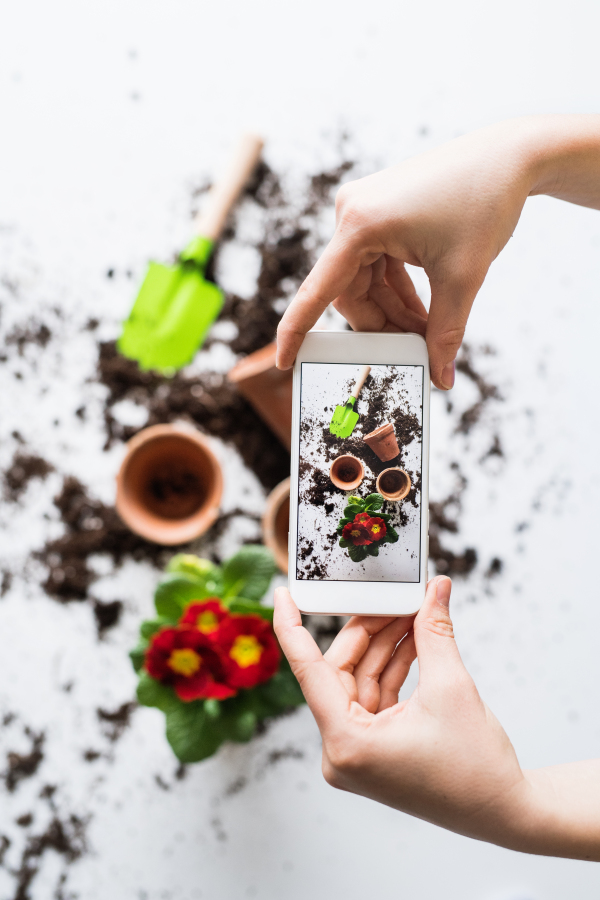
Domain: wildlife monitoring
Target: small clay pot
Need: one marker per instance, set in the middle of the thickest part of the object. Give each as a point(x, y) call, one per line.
point(267, 389)
point(276, 523)
point(346, 472)
point(393, 484)
point(383, 442)
point(169, 485)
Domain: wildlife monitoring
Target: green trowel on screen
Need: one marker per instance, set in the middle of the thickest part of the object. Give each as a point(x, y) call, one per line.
point(345, 417)
point(176, 306)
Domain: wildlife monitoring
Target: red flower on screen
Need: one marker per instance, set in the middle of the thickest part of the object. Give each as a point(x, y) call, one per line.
point(376, 528)
point(356, 533)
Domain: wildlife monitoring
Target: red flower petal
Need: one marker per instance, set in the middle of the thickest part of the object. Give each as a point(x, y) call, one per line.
point(363, 518)
point(205, 615)
point(376, 528)
point(356, 533)
point(251, 649)
point(189, 680)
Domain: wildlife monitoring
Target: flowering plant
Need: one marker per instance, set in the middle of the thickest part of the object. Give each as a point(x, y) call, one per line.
point(210, 659)
point(363, 528)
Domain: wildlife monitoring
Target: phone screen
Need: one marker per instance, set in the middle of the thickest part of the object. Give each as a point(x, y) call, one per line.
point(359, 477)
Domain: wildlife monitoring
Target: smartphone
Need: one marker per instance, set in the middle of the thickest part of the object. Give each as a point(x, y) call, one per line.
point(359, 499)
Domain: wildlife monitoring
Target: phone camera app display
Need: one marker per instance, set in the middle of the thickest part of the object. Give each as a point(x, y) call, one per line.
point(359, 487)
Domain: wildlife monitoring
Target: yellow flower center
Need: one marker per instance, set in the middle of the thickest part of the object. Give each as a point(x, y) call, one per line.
point(184, 661)
point(207, 622)
point(355, 533)
point(246, 650)
point(375, 529)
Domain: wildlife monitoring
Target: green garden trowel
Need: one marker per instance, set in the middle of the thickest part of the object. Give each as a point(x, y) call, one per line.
point(176, 306)
point(345, 417)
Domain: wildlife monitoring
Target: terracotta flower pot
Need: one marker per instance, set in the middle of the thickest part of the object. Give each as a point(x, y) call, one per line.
point(169, 485)
point(267, 389)
point(276, 523)
point(393, 484)
point(383, 442)
point(346, 472)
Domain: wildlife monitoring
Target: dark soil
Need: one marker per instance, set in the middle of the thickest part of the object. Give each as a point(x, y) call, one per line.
point(487, 391)
point(23, 468)
point(32, 332)
point(63, 836)
point(107, 615)
point(24, 765)
point(116, 721)
point(90, 527)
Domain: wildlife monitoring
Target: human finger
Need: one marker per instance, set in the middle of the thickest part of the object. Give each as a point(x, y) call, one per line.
point(320, 684)
point(451, 302)
point(400, 281)
point(395, 673)
point(352, 642)
point(434, 635)
point(331, 275)
point(374, 661)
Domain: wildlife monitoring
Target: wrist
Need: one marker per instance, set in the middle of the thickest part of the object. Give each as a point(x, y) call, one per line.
point(560, 154)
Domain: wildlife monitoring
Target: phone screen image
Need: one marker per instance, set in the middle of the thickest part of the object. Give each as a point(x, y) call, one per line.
point(359, 472)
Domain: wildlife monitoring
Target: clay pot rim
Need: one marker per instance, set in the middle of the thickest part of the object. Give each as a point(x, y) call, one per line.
point(402, 494)
point(379, 431)
point(160, 531)
point(275, 501)
point(347, 485)
point(254, 364)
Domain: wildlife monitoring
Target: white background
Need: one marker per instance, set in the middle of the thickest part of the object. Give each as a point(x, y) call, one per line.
point(110, 113)
point(324, 387)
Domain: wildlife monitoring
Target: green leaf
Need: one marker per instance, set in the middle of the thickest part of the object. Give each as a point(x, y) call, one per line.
point(151, 626)
point(191, 733)
point(282, 690)
point(343, 522)
point(385, 516)
point(248, 574)
point(358, 501)
point(373, 501)
point(357, 554)
point(373, 550)
point(202, 571)
point(212, 708)
point(138, 654)
point(152, 693)
point(174, 593)
point(248, 608)
point(391, 535)
point(353, 509)
point(344, 542)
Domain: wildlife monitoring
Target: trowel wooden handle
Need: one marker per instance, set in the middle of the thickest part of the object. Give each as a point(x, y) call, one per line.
point(222, 196)
point(362, 377)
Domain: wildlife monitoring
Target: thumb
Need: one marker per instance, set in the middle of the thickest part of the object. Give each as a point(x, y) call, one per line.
point(434, 636)
point(451, 302)
point(331, 275)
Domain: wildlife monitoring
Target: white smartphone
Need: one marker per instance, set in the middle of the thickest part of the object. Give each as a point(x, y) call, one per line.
point(359, 499)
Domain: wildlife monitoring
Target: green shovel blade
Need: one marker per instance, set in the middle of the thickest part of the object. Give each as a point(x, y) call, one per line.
point(344, 419)
point(172, 313)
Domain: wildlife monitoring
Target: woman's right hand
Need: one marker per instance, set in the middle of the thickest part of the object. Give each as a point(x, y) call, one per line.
point(450, 211)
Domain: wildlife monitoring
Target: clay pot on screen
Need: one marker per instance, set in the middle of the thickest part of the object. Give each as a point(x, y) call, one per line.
point(169, 485)
point(267, 389)
point(393, 484)
point(346, 472)
point(383, 442)
point(276, 523)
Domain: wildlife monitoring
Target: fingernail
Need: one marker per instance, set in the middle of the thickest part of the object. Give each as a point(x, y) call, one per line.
point(443, 589)
point(448, 373)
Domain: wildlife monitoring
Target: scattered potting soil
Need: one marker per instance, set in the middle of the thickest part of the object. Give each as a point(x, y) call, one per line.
point(487, 391)
point(23, 468)
point(107, 615)
point(23, 765)
point(64, 836)
point(91, 527)
point(33, 332)
point(115, 722)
